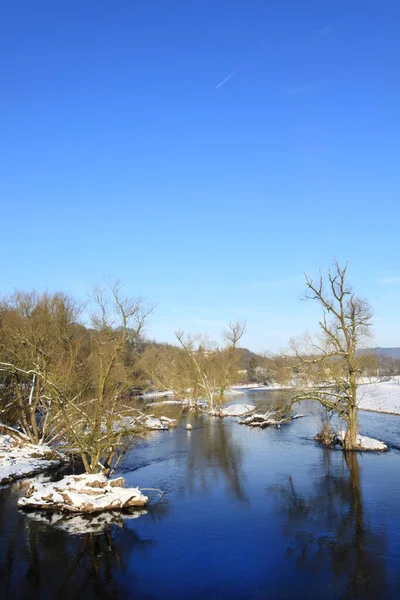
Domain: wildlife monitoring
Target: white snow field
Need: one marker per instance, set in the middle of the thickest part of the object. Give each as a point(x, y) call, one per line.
point(382, 396)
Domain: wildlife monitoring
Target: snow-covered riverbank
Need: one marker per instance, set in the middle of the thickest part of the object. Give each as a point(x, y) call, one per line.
point(258, 387)
point(383, 396)
point(19, 460)
point(376, 396)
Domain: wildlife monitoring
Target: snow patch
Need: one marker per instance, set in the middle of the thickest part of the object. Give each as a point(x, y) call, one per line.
point(269, 418)
point(157, 394)
point(365, 443)
point(148, 421)
point(237, 410)
point(169, 422)
point(166, 403)
point(261, 420)
point(155, 424)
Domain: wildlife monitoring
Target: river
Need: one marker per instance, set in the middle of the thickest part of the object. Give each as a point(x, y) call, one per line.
point(247, 513)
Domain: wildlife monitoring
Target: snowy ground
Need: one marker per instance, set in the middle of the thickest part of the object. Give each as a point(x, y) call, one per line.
point(383, 396)
point(378, 396)
point(24, 460)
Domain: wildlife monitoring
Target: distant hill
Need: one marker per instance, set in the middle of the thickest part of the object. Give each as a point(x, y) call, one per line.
point(392, 352)
point(246, 355)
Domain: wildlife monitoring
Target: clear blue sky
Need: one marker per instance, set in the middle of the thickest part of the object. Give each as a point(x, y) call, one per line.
point(206, 152)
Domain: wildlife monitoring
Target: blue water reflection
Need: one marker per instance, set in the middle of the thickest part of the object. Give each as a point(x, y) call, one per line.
point(247, 514)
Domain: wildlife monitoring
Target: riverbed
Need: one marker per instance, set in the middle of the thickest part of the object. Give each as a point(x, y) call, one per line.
point(247, 513)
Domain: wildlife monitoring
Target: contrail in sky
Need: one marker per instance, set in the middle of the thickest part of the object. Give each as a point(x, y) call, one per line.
point(221, 83)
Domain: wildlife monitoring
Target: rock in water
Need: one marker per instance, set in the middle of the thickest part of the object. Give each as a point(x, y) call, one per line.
point(82, 494)
point(155, 424)
point(237, 410)
point(169, 422)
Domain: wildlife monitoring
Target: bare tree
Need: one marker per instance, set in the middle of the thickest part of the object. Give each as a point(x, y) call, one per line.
point(100, 419)
point(229, 356)
point(169, 368)
point(70, 383)
point(40, 339)
point(199, 353)
point(214, 367)
point(331, 364)
point(279, 369)
point(198, 368)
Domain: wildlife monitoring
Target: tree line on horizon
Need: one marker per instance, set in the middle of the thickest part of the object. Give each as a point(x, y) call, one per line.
point(63, 382)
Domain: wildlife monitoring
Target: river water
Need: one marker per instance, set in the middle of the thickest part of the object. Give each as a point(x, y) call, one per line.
point(247, 513)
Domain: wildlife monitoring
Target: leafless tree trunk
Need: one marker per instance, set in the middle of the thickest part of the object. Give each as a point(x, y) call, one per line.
point(331, 364)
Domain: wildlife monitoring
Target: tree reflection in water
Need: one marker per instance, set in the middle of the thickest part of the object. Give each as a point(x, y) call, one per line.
point(94, 568)
point(40, 560)
point(329, 529)
point(214, 456)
